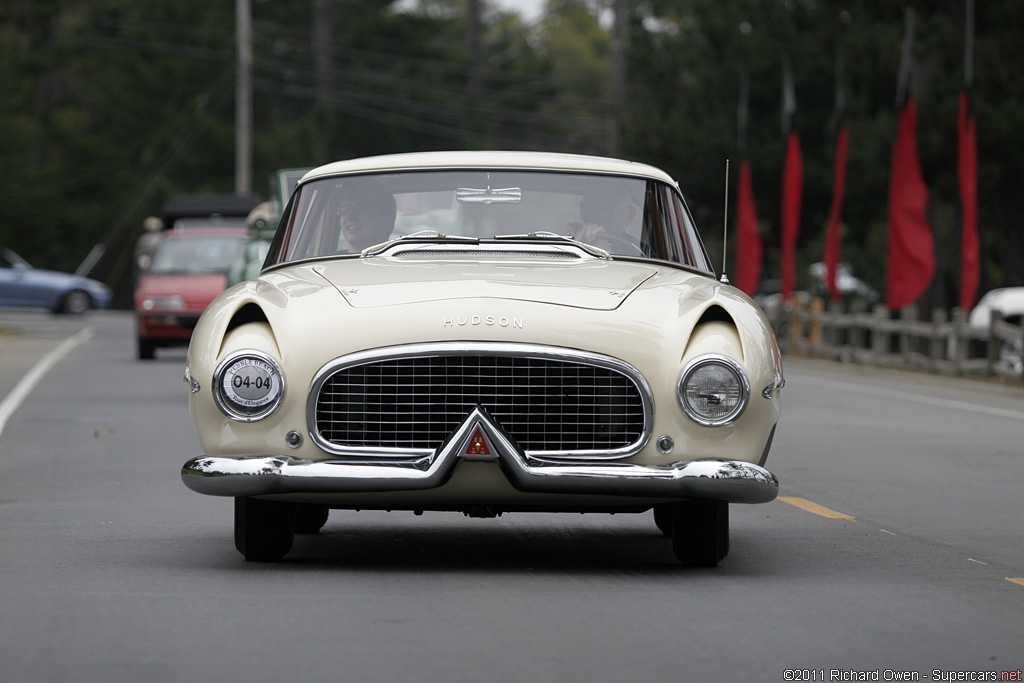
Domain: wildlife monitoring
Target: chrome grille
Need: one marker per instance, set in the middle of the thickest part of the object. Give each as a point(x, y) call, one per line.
point(545, 404)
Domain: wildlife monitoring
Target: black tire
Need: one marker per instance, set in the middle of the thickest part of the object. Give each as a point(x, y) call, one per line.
point(663, 518)
point(264, 529)
point(75, 302)
point(146, 349)
point(310, 518)
point(700, 532)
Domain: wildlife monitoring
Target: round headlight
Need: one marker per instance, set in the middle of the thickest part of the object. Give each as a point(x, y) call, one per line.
point(713, 390)
point(248, 386)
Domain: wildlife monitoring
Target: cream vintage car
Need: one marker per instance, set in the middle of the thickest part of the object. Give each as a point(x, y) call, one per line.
point(484, 332)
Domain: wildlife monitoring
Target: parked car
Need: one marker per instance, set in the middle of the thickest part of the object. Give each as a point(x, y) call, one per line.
point(1009, 301)
point(848, 284)
point(184, 274)
point(22, 286)
point(490, 362)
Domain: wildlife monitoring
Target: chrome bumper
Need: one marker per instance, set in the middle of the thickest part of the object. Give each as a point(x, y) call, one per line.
point(731, 481)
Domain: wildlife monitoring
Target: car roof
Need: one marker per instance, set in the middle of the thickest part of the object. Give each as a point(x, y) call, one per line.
point(1013, 297)
point(546, 161)
point(202, 205)
point(188, 233)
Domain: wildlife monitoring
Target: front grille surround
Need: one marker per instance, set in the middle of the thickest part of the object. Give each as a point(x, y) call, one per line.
point(418, 417)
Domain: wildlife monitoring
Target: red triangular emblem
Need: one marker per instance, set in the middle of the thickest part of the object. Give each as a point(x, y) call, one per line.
point(477, 445)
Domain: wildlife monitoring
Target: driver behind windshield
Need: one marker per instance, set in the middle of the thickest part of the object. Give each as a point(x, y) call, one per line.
point(366, 213)
point(606, 212)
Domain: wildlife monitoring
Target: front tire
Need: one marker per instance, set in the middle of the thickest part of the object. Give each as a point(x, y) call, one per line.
point(663, 518)
point(700, 532)
point(264, 529)
point(310, 517)
point(146, 349)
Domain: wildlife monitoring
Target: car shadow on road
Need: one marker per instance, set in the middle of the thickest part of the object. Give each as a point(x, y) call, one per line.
point(598, 544)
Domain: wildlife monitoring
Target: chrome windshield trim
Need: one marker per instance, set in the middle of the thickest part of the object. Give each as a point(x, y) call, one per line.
point(494, 349)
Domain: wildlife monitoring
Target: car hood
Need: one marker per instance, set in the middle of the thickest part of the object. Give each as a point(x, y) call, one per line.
point(370, 283)
point(306, 314)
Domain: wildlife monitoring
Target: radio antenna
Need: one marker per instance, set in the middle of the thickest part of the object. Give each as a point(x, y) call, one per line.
point(725, 227)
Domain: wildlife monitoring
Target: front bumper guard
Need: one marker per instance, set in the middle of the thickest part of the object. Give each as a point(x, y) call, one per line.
point(479, 439)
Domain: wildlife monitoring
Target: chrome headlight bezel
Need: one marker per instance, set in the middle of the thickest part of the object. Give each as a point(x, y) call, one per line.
point(742, 386)
point(257, 367)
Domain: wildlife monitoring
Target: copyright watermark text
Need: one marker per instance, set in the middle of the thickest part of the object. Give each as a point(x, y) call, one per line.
point(817, 675)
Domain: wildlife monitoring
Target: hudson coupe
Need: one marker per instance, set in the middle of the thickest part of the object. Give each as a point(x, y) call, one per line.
point(485, 333)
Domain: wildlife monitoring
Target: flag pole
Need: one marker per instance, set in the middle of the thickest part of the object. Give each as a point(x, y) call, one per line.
point(967, 175)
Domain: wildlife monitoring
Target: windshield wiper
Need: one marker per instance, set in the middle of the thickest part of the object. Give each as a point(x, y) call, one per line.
point(421, 236)
point(547, 236)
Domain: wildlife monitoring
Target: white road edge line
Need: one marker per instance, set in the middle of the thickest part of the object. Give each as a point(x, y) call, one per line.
point(21, 391)
point(916, 398)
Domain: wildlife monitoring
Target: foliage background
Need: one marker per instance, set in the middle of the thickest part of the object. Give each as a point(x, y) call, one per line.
point(111, 106)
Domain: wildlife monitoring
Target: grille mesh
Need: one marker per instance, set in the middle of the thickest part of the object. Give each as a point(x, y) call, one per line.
point(417, 402)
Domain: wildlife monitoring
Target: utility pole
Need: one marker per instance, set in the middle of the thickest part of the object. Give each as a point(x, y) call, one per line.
point(618, 85)
point(475, 47)
point(322, 31)
point(243, 99)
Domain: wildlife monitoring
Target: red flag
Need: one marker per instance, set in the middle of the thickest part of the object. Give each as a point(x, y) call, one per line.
point(911, 248)
point(833, 242)
point(967, 168)
point(792, 191)
point(748, 243)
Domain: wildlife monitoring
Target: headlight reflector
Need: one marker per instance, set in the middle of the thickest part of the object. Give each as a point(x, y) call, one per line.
point(248, 386)
point(713, 390)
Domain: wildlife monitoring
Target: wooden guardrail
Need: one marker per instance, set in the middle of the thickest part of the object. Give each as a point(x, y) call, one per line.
point(945, 344)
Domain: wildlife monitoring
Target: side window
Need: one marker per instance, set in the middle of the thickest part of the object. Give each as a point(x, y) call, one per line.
point(658, 221)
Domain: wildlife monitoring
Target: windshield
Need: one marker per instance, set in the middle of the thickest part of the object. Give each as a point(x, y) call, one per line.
point(195, 254)
point(624, 216)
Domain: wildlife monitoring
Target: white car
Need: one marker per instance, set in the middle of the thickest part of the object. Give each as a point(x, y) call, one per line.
point(482, 358)
point(1009, 301)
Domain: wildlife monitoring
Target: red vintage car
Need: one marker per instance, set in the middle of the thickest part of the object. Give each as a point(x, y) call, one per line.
point(186, 271)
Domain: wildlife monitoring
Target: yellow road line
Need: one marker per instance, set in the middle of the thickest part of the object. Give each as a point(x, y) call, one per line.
point(1019, 582)
point(814, 508)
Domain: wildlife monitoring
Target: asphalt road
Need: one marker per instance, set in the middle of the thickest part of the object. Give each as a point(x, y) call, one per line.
point(896, 548)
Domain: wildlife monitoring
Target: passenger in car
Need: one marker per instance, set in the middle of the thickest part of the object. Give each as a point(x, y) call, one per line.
point(366, 213)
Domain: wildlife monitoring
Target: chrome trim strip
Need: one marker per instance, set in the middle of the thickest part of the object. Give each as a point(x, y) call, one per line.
point(508, 349)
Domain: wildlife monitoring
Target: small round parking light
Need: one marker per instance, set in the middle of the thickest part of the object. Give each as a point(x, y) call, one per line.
point(713, 390)
point(249, 386)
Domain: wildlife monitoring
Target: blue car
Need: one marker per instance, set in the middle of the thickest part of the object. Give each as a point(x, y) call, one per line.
point(22, 286)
